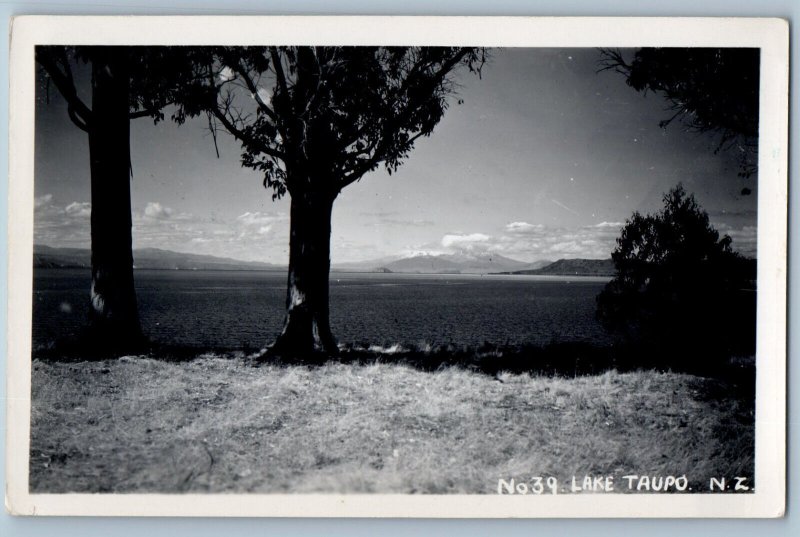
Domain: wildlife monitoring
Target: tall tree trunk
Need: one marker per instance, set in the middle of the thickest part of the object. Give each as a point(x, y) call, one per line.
point(306, 331)
point(114, 319)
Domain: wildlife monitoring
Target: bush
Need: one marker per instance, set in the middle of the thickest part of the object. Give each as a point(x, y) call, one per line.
point(680, 291)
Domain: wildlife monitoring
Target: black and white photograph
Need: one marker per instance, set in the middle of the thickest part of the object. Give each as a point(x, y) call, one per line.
point(315, 271)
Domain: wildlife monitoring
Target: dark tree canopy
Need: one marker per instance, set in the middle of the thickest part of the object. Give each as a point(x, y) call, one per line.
point(353, 108)
point(313, 120)
point(679, 287)
point(154, 75)
point(708, 90)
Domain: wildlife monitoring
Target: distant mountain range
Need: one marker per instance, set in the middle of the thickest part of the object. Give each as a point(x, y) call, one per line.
point(461, 263)
point(467, 263)
point(145, 258)
point(48, 257)
point(574, 267)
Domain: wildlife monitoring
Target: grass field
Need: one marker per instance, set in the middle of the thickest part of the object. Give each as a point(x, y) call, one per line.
point(219, 424)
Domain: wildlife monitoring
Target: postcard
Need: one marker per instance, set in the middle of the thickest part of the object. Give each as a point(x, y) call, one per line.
point(397, 266)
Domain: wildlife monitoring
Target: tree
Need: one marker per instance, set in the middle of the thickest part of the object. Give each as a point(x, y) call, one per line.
point(679, 288)
point(314, 120)
point(126, 83)
point(712, 90)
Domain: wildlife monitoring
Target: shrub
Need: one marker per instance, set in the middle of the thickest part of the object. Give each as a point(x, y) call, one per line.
point(680, 292)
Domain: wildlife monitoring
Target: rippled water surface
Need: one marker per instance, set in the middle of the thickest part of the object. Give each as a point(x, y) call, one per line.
point(226, 309)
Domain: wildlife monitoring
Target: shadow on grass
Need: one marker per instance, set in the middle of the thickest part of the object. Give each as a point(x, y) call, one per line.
point(556, 359)
point(560, 359)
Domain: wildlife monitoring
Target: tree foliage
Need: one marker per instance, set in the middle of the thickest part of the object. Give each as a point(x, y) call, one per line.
point(155, 73)
point(679, 287)
point(334, 113)
point(712, 90)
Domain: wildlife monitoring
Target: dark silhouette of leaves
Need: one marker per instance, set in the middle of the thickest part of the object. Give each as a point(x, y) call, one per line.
point(708, 90)
point(679, 287)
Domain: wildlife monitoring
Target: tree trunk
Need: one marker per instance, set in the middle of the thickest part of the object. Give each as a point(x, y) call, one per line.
point(114, 319)
point(306, 334)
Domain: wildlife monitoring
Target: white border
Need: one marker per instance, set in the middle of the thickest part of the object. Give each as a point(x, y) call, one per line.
point(771, 35)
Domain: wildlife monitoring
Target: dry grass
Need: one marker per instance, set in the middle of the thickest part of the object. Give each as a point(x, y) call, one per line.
point(218, 424)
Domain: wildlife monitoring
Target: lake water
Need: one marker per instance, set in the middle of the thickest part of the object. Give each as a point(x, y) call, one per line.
point(233, 310)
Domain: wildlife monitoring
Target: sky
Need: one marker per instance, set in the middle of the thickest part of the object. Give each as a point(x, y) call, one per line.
point(545, 159)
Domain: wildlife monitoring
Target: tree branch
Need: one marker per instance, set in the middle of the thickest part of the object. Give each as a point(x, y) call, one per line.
point(311, 100)
point(612, 60)
point(79, 113)
point(279, 74)
point(252, 88)
point(229, 124)
point(145, 112)
point(379, 155)
point(80, 123)
point(240, 135)
point(212, 126)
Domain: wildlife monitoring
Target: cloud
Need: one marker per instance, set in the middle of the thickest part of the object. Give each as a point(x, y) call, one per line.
point(464, 241)
point(532, 242)
point(394, 218)
point(241, 238)
point(225, 74)
point(42, 201)
point(80, 209)
point(251, 236)
point(155, 210)
point(260, 219)
point(258, 225)
point(61, 225)
point(744, 238)
point(563, 247)
point(522, 227)
point(265, 96)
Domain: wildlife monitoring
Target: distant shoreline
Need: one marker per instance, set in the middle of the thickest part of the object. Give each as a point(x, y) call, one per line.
point(334, 273)
point(455, 264)
point(572, 274)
